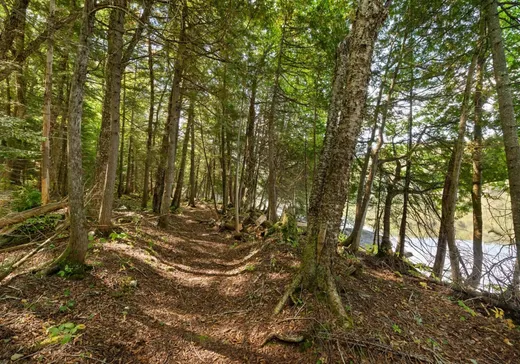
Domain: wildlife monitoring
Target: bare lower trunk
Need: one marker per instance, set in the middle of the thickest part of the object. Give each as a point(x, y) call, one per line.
point(176, 203)
point(174, 123)
point(391, 192)
point(46, 145)
point(343, 127)
point(115, 67)
point(74, 254)
point(250, 157)
point(148, 162)
point(476, 191)
point(507, 119)
point(193, 171)
point(449, 195)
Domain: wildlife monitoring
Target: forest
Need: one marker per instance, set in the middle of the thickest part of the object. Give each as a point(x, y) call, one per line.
point(267, 181)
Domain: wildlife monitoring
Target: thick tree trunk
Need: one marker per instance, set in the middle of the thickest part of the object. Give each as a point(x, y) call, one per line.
point(173, 122)
point(343, 127)
point(74, 254)
point(148, 162)
point(507, 118)
point(113, 94)
point(47, 104)
point(449, 195)
point(176, 203)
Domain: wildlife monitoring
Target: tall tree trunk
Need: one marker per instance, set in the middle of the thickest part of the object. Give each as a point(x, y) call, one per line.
point(476, 191)
point(148, 162)
point(391, 191)
point(120, 186)
point(408, 175)
point(74, 254)
point(193, 171)
point(176, 203)
point(362, 204)
point(115, 68)
point(174, 122)
point(250, 156)
point(271, 130)
point(47, 101)
point(344, 122)
point(507, 120)
point(449, 194)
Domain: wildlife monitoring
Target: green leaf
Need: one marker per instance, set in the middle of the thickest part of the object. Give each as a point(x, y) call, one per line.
point(16, 356)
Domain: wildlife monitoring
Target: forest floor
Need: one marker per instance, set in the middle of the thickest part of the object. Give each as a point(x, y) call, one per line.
point(192, 294)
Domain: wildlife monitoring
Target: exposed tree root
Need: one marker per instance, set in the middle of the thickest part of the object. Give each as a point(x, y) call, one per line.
point(328, 285)
point(288, 292)
point(288, 338)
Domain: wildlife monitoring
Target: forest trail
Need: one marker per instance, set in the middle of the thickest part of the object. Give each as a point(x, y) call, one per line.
point(187, 294)
point(193, 294)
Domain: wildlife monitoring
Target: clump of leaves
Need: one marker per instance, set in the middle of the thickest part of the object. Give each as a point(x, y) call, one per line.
point(250, 267)
point(26, 198)
point(62, 334)
point(466, 308)
point(67, 306)
point(396, 328)
point(117, 236)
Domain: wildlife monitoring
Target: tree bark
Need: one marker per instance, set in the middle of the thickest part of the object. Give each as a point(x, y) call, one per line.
point(148, 162)
point(114, 71)
point(449, 195)
point(507, 119)
point(174, 123)
point(391, 191)
point(250, 156)
point(74, 254)
point(193, 170)
point(271, 130)
point(47, 101)
point(176, 203)
point(476, 191)
point(343, 127)
point(353, 240)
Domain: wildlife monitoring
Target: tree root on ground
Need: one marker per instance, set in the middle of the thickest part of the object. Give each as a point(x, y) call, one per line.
point(288, 338)
point(329, 287)
point(288, 292)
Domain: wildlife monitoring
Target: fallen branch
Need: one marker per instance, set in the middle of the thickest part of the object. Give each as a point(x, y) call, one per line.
point(24, 215)
point(17, 247)
point(11, 267)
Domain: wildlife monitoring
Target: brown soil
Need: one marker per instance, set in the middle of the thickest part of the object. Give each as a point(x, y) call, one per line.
point(192, 294)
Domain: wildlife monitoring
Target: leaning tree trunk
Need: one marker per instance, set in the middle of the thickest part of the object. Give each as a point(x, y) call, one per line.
point(507, 119)
point(173, 123)
point(74, 254)
point(343, 128)
point(361, 209)
point(449, 194)
point(476, 190)
point(47, 101)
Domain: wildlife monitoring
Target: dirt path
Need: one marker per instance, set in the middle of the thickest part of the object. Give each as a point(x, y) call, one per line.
point(191, 294)
point(186, 295)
